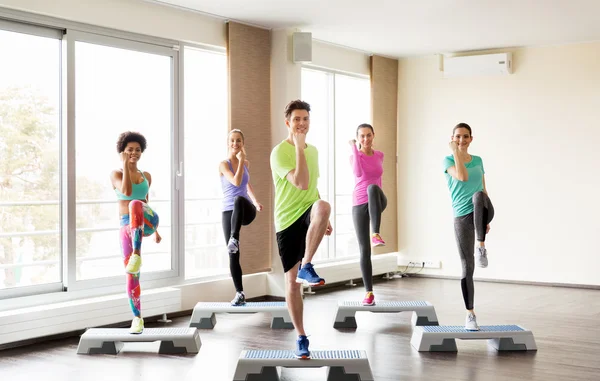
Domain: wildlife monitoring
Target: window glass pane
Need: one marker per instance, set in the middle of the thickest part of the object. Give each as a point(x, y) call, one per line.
point(29, 160)
point(120, 90)
point(317, 91)
point(206, 125)
point(352, 107)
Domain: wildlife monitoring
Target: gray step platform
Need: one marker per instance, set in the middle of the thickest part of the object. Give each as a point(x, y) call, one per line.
point(501, 337)
point(110, 340)
point(203, 315)
point(424, 313)
point(261, 365)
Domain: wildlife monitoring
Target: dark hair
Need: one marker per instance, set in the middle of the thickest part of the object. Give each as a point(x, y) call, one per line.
point(295, 105)
point(128, 137)
point(238, 131)
point(365, 125)
point(462, 125)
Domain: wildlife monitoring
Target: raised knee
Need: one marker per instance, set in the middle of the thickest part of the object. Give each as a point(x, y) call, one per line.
point(478, 196)
point(323, 208)
point(136, 204)
point(372, 188)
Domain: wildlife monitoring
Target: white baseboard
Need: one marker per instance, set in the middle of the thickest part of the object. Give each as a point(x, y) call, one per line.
point(51, 319)
point(345, 270)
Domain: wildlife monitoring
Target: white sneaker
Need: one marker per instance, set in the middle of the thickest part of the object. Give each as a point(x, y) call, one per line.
point(239, 300)
point(233, 245)
point(137, 325)
point(471, 323)
point(482, 260)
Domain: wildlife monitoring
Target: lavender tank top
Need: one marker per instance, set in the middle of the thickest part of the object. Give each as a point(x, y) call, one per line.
point(230, 191)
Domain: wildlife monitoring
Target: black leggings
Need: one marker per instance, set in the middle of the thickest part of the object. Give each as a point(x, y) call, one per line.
point(363, 215)
point(243, 213)
point(465, 228)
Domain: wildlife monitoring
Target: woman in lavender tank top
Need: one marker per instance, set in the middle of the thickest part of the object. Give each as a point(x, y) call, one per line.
point(239, 205)
point(368, 201)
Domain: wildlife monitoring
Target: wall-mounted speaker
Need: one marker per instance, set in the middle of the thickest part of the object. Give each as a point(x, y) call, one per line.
point(302, 47)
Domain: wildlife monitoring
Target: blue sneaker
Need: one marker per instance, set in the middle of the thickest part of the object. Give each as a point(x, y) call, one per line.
point(302, 351)
point(308, 276)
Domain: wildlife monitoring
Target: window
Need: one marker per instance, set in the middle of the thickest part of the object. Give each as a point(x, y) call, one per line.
point(339, 103)
point(206, 123)
point(65, 97)
point(120, 89)
point(30, 228)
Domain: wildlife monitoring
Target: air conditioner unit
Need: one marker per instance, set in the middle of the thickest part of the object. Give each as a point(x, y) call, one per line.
point(480, 65)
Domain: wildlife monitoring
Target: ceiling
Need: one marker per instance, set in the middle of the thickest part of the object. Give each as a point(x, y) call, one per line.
point(401, 28)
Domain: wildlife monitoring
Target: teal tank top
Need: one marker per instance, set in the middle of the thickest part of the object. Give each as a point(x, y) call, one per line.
point(138, 191)
point(462, 192)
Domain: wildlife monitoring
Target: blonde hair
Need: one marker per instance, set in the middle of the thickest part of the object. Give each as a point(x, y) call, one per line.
point(234, 131)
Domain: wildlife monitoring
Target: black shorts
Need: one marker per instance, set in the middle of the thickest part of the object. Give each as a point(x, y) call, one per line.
point(292, 241)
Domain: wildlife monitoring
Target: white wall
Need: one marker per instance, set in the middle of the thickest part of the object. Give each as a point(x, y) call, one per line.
point(538, 133)
point(335, 57)
point(134, 16)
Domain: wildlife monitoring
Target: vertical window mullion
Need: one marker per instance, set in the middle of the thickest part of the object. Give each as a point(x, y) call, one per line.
point(68, 164)
point(331, 164)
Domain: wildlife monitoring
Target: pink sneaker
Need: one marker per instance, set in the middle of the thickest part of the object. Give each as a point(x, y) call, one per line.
point(369, 299)
point(376, 240)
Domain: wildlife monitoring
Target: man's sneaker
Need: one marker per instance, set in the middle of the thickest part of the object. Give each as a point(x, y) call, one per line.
point(233, 245)
point(376, 240)
point(482, 259)
point(471, 323)
point(239, 300)
point(308, 276)
point(137, 325)
point(134, 264)
point(302, 351)
point(369, 299)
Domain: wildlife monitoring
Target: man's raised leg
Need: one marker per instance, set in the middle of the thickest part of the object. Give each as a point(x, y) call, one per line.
point(319, 220)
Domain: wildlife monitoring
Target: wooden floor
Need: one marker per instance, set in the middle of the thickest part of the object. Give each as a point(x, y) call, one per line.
point(565, 322)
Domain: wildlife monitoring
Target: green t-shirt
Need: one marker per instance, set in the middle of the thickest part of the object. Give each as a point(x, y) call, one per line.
point(462, 191)
point(291, 202)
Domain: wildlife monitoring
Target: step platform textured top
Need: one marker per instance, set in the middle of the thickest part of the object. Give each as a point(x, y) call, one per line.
point(203, 315)
point(343, 365)
point(424, 313)
point(110, 340)
point(501, 337)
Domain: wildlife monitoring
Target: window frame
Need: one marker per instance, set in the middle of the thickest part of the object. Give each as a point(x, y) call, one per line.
point(153, 279)
point(53, 33)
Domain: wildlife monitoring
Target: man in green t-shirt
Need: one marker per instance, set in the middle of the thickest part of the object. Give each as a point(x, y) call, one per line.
point(301, 217)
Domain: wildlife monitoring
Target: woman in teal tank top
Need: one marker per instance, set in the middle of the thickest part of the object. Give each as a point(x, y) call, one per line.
point(473, 211)
point(137, 218)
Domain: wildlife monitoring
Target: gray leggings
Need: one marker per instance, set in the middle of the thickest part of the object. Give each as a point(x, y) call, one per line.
point(465, 228)
point(362, 215)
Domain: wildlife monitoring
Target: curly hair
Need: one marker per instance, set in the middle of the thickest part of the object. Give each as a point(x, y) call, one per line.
point(295, 105)
point(128, 137)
